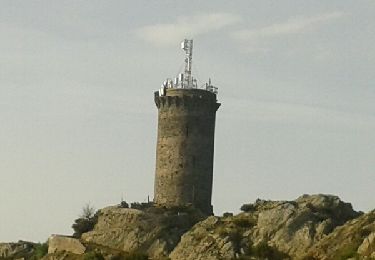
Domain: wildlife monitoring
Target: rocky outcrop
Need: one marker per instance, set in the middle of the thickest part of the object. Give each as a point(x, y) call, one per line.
point(20, 249)
point(58, 243)
point(355, 239)
point(154, 231)
point(293, 227)
point(367, 248)
point(271, 229)
point(206, 241)
point(312, 227)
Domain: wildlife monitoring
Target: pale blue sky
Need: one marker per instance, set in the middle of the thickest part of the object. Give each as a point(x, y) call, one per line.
point(78, 122)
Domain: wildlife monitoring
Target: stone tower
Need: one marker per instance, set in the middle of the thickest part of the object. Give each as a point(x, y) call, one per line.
point(185, 142)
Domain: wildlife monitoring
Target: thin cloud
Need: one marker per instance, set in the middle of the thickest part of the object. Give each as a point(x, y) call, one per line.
point(295, 25)
point(186, 26)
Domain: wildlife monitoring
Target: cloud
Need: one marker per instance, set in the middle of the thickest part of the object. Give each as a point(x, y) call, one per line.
point(186, 27)
point(299, 24)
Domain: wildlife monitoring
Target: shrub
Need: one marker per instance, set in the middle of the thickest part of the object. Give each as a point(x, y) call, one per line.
point(88, 211)
point(247, 207)
point(136, 256)
point(40, 250)
point(156, 210)
point(235, 236)
point(93, 256)
point(347, 252)
point(124, 204)
point(82, 225)
point(141, 206)
point(233, 233)
point(222, 231)
point(310, 257)
point(264, 251)
point(243, 257)
point(227, 214)
point(86, 222)
point(243, 222)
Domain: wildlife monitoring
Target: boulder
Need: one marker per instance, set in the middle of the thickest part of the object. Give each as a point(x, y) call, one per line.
point(58, 243)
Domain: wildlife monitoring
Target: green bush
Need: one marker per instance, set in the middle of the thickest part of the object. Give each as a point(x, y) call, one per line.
point(264, 251)
point(86, 222)
point(136, 256)
point(243, 222)
point(247, 207)
point(310, 257)
point(233, 233)
point(141, 206)
point(40, 250)
point(124, 204)
point(235, 236)
point(243, 257)
point(83, 225)
point(349, 251)
point(227, 214)
point(93, 256)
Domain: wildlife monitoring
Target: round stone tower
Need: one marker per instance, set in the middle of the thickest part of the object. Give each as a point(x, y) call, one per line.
point(185, 144)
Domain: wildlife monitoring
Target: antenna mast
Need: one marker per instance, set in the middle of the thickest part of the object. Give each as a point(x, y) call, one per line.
point(187, 46)
point(185, 79)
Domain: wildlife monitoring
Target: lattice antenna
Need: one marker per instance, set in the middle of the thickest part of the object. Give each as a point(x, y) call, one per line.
point(187, 46)
point(185, 79)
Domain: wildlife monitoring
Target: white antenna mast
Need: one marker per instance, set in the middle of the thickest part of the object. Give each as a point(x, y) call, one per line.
point(185, 79)
point(187, 46)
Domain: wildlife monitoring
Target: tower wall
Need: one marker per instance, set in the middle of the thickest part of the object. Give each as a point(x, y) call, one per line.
point(185, 148)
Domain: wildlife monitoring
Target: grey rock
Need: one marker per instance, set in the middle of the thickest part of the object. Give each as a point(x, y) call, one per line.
point(318, 226)
point(289, 228)
point(354, 237)
point(367, 248)
point(153, 232)
point(57, 243)
point(203, 241)
point(16, 250)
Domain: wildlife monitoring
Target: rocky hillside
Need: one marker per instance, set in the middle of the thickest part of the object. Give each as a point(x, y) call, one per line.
point(311, 227)
point(153, 231)
point(22, 250)
point(355, 239)
point(267, 229)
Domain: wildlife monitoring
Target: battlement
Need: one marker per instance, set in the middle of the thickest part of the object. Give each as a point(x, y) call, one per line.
point(188, 98)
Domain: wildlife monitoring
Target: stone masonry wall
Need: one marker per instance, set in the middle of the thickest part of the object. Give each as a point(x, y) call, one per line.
point(185, 148)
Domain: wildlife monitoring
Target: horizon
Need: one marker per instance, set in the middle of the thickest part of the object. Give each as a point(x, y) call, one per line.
point(295, 82)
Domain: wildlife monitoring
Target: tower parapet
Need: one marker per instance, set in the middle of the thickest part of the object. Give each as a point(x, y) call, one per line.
point(185, 146)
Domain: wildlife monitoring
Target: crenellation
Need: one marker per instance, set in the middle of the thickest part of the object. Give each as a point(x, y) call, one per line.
point(199, 103)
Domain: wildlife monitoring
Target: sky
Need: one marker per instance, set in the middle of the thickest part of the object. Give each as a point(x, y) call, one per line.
point(78, 120)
